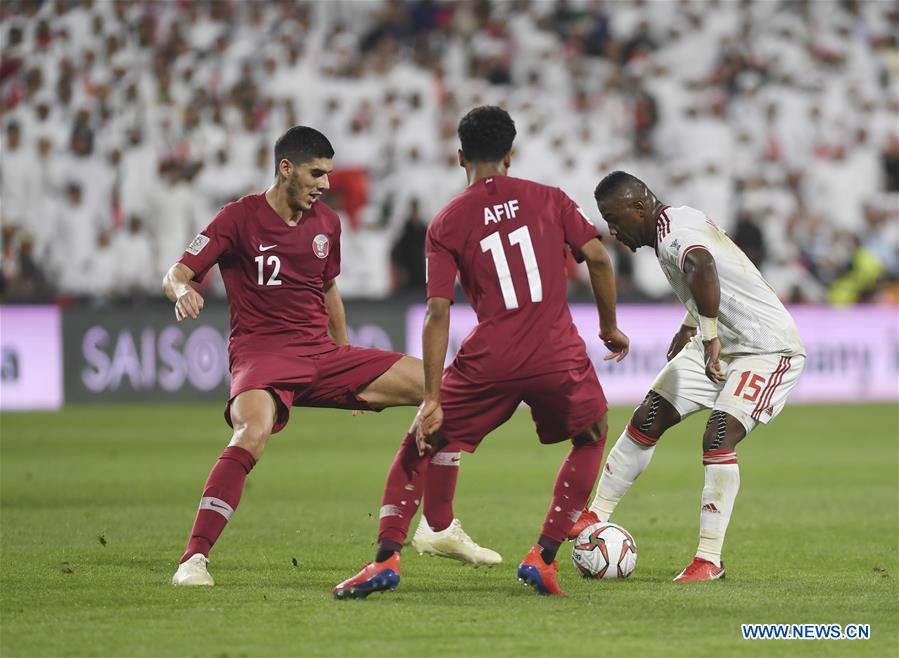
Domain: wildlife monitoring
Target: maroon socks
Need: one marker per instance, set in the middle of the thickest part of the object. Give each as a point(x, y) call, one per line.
point(573, 485)
point(220, 498)
point(402, 493)
point(440, 489)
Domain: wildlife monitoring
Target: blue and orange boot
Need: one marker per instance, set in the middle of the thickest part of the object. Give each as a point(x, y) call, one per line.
point(374, 577)
point(536, 573)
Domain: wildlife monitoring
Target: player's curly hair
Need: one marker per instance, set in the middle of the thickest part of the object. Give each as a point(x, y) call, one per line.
point(301, 144)
point(486, 134)
point(616, 183)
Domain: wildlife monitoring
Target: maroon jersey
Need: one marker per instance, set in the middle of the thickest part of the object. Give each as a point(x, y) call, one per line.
point(274, 274)
point(506, 238)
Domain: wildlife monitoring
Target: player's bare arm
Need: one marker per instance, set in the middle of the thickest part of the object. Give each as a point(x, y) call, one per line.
point(702, 279)
point(435, 337)
point(683, 336)
point(602, 280)
point(176, 285)
point(336, 313)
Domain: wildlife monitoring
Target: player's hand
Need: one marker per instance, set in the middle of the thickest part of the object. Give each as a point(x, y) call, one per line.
point(683, 336)
point(712, 362)
point(188, 305)
point(358, 412)
point(616, 342)
point(430, 420)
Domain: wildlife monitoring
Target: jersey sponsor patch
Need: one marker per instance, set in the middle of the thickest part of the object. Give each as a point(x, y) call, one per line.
point(321, 246)
point(197, 245)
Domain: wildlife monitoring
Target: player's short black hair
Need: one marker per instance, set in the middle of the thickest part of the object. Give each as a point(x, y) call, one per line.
point(301, 144)
point(617, 183)
point(486, 134)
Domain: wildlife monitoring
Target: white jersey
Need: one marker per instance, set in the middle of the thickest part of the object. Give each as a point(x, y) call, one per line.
point(751, 319)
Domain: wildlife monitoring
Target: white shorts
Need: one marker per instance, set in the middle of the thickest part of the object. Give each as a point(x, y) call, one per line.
point(755, 391)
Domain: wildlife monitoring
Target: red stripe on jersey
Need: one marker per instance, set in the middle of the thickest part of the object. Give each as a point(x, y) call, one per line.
point(782, 367)
point(683, 256)
point(776, 377)
point(663, 224)
point(758, 405)
point(719, 456)
point(640, 437)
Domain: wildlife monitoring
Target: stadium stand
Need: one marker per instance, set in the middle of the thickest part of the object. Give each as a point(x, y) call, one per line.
point(126, 125)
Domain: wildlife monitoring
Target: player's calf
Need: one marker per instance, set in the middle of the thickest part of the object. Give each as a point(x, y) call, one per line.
point(722, 483)
point(628, 458)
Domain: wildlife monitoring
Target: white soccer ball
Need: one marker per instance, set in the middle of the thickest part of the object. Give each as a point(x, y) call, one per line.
point(604, 550)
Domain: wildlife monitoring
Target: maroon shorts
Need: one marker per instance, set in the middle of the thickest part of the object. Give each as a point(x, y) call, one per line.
point(563, 404)
point(331, 380)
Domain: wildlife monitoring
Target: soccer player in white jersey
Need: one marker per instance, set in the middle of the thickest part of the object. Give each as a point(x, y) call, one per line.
point(742, 363)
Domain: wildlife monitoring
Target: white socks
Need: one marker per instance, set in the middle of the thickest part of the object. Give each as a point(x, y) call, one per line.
point(722, 482)
point(629, 457)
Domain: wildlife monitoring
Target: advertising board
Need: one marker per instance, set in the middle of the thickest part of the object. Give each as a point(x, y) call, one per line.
point(30, 357)
point(131, 355)
point(853, 354)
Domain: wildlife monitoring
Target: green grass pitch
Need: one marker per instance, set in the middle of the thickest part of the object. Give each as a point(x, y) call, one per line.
point(97, 503)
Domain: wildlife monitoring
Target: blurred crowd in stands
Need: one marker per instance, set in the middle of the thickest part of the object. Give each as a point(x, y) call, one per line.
point(127, 124)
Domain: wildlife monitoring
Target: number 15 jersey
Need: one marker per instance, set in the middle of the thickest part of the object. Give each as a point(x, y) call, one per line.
point(506, 239)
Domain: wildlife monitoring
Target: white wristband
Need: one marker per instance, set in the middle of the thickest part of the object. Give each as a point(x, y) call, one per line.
point(708, 327)
point(689, 320)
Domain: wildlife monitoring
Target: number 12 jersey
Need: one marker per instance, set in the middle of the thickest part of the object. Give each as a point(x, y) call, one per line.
point(508, 239)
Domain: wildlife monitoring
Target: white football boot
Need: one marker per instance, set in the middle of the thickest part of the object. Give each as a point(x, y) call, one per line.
point(452, 542)
point(192, 572)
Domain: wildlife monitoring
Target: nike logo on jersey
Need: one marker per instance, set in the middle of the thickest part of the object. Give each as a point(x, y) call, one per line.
point(261, 248)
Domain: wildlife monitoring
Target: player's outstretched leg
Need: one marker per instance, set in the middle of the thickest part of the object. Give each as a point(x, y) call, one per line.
point(628, 458)
point(252, 414)
point(722, 482)
point(439, 532)
point(573, 485)
point(402, 495)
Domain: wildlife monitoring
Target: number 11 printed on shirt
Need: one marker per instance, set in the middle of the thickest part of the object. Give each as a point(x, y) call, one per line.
point(521, 237)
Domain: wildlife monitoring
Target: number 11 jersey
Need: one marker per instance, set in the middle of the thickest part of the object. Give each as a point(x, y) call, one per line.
point(508, 239)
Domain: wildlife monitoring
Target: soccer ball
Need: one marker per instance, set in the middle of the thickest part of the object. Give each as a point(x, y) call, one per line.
point(605, 550)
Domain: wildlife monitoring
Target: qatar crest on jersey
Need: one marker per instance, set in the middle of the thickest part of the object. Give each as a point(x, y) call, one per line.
point(321, 246)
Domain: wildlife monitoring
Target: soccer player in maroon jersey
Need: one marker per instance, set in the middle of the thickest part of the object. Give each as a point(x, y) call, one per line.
point(507, 240)
point(279, 255)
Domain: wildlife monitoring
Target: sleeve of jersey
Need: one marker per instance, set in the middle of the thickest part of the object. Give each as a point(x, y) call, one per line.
point(211, 243)
point(440, 266)
point(332, 267)
point(675, 246)
point(576, 225)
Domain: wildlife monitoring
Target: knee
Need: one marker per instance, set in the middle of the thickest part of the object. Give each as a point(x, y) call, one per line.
point(654, 416)
point(722, 432)
point(594, 434)
point(414, 394)
point(252, 437)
